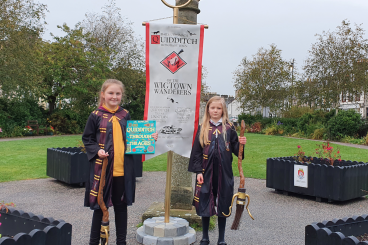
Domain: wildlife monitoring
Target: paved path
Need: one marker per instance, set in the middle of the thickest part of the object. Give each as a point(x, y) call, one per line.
point(334, 142)
point(279, 219)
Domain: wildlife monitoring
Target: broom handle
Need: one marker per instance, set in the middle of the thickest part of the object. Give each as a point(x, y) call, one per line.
point(240, 157)
point(100, 201)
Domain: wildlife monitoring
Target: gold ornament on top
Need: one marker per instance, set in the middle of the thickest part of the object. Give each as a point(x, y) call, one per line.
point(180, 6)
point(176, 10)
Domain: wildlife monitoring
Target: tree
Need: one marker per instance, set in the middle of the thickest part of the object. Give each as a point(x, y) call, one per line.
point(307, 92)
point(205, 89)
point(337, 64)
point(116, 36)
point(21, 26)
point(134, 81)
point(73, 70)
point(262, 81)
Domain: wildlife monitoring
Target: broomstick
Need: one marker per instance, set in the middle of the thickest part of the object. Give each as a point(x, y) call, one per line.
point(241, 196)
point(104, 233)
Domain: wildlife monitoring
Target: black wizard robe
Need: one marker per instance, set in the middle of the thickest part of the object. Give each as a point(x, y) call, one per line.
point(98, 135)
point(201, 161)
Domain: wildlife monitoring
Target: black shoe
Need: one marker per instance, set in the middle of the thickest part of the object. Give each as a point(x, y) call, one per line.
point(204, 242)
point(221, 243)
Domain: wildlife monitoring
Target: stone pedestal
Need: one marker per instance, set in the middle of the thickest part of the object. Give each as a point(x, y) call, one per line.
point(181, 184)
point(157, 210)
point(156, 232)
point(188, 14)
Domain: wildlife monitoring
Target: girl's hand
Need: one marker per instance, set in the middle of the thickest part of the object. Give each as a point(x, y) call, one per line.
point(155, 136)
point(102, 154)
point(200, 178)
point(242, 140)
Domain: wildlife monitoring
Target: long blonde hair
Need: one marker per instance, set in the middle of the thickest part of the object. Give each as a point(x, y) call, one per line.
point(105, 85)
point(203, 136)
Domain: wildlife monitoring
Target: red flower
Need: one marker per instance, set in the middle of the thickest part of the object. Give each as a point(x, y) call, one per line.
point(298, 146)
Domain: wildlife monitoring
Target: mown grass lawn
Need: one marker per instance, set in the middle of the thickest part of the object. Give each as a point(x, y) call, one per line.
point(26, 159)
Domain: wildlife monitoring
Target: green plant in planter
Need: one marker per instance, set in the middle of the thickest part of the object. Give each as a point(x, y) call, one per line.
point(5, 205)
point(300, 156)
point(50, 130)
point(326, 151)
point(83, 148)
point(28, 130)
point(323, 151)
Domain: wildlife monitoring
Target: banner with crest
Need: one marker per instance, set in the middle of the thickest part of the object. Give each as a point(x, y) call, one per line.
point(173, 84)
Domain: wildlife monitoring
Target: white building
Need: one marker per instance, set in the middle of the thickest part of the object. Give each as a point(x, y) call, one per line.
point(355, 102)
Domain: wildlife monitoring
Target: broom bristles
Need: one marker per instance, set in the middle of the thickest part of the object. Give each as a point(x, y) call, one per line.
point(238, 214)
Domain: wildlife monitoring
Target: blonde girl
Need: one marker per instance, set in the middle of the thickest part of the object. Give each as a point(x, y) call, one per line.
point(211, 159)
point(105, 137)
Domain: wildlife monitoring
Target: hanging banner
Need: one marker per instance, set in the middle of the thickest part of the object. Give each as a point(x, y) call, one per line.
point(173, 84)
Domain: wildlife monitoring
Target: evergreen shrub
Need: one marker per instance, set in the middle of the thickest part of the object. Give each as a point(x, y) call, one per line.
point(297, 111)
point(65, 121)
point(345, 123)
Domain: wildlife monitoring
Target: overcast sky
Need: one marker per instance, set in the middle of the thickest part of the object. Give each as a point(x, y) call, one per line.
point(237, 28)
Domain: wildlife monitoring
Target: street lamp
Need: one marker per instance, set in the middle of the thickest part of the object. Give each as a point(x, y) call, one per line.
point(292, 81)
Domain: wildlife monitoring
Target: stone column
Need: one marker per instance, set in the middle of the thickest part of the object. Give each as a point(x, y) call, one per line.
point(181, 183)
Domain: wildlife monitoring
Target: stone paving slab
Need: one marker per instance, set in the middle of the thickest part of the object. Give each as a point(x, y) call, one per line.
point(279, 219)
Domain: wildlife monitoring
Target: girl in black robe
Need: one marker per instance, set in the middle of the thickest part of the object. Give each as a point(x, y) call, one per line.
point(211, 159)
point(105, 137)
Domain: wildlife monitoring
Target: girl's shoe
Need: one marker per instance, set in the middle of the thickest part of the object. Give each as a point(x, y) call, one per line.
point(221, 243)
point(204, 242)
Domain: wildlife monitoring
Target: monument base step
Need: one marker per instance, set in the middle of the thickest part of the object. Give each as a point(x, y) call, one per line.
point(156, 232)
point(157, 210)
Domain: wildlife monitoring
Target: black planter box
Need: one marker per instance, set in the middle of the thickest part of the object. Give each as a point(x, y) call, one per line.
point(338, 231)
point(71, 166)
point(68, 165)
point(29, 229)
point(343, 181)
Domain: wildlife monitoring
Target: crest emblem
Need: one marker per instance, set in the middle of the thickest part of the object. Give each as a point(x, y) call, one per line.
point(173, 62)
point(301, 173)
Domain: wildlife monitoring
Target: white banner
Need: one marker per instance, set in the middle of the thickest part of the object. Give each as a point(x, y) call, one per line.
point(173, 86)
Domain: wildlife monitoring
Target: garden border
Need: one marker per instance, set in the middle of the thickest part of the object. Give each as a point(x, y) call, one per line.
point(27, 228)
point(337, 231)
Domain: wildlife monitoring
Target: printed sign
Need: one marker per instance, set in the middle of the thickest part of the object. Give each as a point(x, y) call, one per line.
point(301, 176)
point(173, 85)
point(139, 137)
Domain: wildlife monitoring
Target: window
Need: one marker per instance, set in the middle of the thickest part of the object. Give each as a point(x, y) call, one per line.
point(343, 97)
point(350, 97)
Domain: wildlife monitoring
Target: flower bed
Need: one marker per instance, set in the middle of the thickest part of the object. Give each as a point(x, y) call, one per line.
point(337, 231)
point(344, 181)
point(23, 228)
